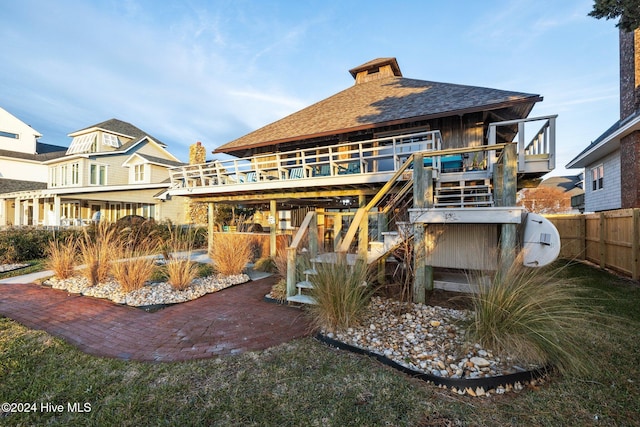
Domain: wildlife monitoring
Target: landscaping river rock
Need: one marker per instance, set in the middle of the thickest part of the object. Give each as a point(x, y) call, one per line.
point(151, 294)
point(426, 339)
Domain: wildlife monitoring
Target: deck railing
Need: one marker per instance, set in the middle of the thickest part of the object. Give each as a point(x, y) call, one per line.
point(538, 155)
point(362, 157)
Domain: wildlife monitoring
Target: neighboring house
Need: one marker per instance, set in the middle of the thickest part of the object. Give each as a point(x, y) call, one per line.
point(612, 162)
point(553, 195)
point(113, 168)
point(22, 155)
point(387, 150)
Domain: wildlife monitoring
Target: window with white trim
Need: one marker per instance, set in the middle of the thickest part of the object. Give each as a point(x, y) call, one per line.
point(110, 140)
point(63, 175)
point(9, 134)
point(597, 178)
point(138, 173)
point(75, 173)
point(53, 176)
point(97, 174)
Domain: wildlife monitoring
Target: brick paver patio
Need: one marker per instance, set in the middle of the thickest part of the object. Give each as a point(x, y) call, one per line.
point(230, 321)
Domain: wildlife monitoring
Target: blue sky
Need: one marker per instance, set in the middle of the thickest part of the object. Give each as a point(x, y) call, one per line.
point(212, 71)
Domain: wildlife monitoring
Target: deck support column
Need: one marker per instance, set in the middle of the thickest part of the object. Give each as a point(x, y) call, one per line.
point(382, 262)
point(211, 207)
point(422, 188)
point(313, 236)
point(509, 232)
point(363, 231)
point(273, 222)
point(337, 231)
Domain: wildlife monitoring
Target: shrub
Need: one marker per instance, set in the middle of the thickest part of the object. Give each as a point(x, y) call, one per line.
point(342, 294)
point(231, 252)
point(205, 269)
point(531, 316)
point(279, 290)
point(23, 243)
point(181, 271)
point(62, 256)
point(265, 264)
point(98, 247)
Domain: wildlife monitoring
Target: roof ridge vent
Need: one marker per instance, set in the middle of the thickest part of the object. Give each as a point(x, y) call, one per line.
point(376, 69)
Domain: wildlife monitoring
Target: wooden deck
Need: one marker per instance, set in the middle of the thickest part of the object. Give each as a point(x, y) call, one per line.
point(364, 163)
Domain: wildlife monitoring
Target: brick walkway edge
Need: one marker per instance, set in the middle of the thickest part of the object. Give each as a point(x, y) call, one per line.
point(230, 321)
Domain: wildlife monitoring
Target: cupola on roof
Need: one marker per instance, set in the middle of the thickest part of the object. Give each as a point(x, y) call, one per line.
point(376, 69)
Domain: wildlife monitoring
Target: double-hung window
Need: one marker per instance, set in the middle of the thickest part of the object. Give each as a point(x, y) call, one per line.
point(597, 178)
point(138, 173)
point(75, 173)
point(97, 174)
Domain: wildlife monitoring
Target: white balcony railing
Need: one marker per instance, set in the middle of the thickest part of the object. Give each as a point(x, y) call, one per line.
point(364, 157)
point(538, 155)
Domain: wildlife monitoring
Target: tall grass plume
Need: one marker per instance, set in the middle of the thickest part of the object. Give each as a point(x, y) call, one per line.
point(342, 293)
point(535, 317)
point(98, 249)
point(61, 257)
point(231, 252)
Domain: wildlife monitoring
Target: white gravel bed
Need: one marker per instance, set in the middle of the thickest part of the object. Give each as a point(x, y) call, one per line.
point(427, 339)
point(150, 294)
point(9, 267)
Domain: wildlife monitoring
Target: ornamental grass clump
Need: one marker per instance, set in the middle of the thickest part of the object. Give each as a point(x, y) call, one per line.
point(231, 252)
point(97, 250)
point(61, 257)
point(181, 271)
point(533, 316)
point(135, 263)
point(342, 293)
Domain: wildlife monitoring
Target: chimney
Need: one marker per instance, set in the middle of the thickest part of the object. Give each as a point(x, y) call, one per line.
point(197, 154)
point(629, 73)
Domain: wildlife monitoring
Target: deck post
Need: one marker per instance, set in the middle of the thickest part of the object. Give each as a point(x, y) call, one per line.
point(313, 236)
point(337, 230)
point(423, 274)
point(210, 226)
point(273, 223)
point(382, 262)
point(363, 230)
point(291, 271)
point(508, 239)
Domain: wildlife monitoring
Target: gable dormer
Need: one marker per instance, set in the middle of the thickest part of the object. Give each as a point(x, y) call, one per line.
point(376, 69)
point(96, 141)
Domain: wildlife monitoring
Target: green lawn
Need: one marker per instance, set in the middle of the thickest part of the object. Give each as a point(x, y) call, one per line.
point(305, 383)
point(34, 266)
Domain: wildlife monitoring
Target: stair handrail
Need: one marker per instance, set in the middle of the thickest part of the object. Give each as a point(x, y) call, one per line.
point(361, 212)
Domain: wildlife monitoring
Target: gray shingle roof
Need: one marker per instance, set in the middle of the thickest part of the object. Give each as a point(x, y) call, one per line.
point(43, 152)
point(13, 185)
point(376, 103)
point(161, 161)
point(118, 126)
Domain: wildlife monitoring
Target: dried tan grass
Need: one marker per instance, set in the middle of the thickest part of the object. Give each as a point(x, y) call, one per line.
point(62, 257)
point(533, 316)
point(181, 271)
point(135, 265)
point(98, 251)
point(133, 273)
point(231, 252)
point(342, 293)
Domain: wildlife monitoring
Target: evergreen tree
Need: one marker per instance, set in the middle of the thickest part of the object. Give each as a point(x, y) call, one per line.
point(627, 10)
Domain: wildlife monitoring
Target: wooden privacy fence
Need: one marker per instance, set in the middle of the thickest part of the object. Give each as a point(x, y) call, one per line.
point(610, 239)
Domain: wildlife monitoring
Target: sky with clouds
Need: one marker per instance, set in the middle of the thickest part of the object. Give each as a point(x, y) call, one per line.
point(214, 70)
